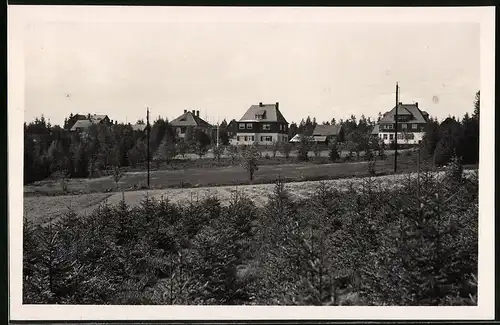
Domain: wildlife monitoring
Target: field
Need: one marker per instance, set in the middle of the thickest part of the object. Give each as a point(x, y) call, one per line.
point(219, 176)
point(39, 209)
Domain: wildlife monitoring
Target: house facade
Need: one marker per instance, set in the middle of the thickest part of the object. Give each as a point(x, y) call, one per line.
point(262, 124)
point(190, 119)
point(410, 126)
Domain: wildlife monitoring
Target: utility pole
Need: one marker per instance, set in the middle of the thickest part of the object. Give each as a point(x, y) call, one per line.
point(217, 134)
point(148, 133)
point(418, 176)
point(396, 129)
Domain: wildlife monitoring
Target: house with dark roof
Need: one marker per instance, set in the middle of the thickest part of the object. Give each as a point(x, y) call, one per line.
point(190, 119)
point(411, 124)
point(83, 122)
point(262, 124)
point(327, 133)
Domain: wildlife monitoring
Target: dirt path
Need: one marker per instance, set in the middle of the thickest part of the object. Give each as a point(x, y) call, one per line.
point(39, 209)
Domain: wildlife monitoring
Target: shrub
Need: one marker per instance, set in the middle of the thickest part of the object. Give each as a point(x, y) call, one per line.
point(333, 152)
point(317, 150)
point(286, 149)
point(371, 168)
point(275, 148)
point(303, 148)
point(217, 152)
point(232, 152)
point(369, 156)
point(454, 171)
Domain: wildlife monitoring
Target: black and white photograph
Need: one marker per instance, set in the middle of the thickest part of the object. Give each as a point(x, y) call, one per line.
point(250, 157)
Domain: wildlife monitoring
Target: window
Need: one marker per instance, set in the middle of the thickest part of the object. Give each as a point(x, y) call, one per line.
point(245, 138)
point(400, 136)
point(389, 126)
point(414, 126)
point(249, 125)
point(242, 125)
point(410, 136)
point(238, 138)
point(404, 126)
point(258, 117)
point(391, 136)
point(251, 138)
point(267, 138)
point(266, 127)
point(385, 136)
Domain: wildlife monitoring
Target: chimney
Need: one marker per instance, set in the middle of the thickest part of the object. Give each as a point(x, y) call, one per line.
point(260, 104)
point(400, 103)
point(192, 112)
point(277, 105)
point(185, 111)
point(416, 104)
point(198, 113)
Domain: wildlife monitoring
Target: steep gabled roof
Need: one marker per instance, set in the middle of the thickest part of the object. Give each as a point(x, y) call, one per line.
point(405, 109)
point(81, 124)
point(326, 130)
point(270, 111)
point(190, 119)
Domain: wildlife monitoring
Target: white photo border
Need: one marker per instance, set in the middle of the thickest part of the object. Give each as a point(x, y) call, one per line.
point(19, 16)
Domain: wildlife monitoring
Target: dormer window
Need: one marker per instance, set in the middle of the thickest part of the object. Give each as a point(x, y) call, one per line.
point(260, 115)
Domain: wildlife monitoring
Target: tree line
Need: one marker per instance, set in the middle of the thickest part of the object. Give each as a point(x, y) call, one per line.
point(51, 150)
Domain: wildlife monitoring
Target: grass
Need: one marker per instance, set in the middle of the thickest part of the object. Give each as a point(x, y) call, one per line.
point(39, 209)
point(220, 176)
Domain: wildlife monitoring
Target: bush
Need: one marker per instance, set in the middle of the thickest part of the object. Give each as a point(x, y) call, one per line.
point(303, 148)
point(286, 149)
point(333, 152)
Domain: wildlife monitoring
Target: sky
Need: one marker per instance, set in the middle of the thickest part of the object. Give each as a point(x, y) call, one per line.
point(321, 68)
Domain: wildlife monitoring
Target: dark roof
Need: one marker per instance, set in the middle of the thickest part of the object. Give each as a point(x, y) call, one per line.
point(272, 114)
point(190, 119)
point(405, 109)
point(81, 124)
point(375, 130)
point(326, 130)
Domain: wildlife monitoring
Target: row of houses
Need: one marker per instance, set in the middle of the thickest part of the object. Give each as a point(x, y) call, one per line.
point(265, 124)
